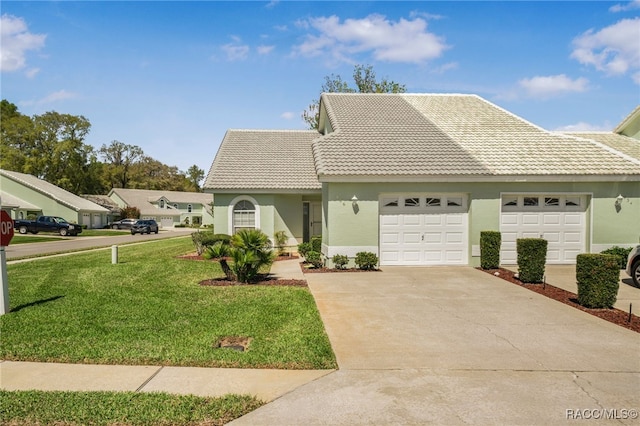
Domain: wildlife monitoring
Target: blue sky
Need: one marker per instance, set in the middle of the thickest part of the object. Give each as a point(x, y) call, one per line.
point(172, 77)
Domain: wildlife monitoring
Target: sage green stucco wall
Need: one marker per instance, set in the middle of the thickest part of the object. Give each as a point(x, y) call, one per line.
point(346, 226)
point(49, 206)
point(278, 212)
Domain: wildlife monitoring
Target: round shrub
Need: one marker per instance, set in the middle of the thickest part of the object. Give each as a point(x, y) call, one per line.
point(621, 253)
point(340, 261)
point(314, 258)
point(366, 260)
point(304, 248)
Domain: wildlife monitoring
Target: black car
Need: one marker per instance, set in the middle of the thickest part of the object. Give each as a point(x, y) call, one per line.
point(144, 226)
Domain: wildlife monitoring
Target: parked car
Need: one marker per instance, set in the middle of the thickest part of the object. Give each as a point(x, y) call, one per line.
point(145, 226)
point(123, 224)
point(633, 265)
point(47, 224)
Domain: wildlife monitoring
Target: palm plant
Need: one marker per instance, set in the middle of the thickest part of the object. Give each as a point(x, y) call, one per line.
point(250, 250)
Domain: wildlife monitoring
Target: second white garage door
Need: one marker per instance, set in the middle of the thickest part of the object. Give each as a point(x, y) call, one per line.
point(424, 229)
point(559, 219)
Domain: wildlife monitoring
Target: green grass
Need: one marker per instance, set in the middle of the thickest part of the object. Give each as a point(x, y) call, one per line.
point(102, 232)
point(122, 408)
point(23, 239)
point(150, 310)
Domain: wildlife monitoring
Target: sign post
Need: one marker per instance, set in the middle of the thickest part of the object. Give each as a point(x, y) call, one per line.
point(6, 234)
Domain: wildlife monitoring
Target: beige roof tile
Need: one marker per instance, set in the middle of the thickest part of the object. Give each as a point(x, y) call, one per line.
point(417, 135)
point(264, 160)
point(624, 144)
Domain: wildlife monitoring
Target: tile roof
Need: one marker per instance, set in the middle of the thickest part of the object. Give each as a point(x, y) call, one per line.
point(624, 144)
point(264, 160)
point(143, 198)
point(55, 192)
point(381, 136)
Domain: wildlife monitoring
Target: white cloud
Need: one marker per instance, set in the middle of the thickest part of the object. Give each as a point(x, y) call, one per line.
point(584, 127)
point(401, 41)
point(236, 51)
point(552, 85)
point(287, 115)
point(265, 50)
point(16, 40)
point(635, 4)
point(614, 50)
point(60, 95)
point(31, 73)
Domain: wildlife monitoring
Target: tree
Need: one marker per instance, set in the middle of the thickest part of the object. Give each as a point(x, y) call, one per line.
point(195, 175)
point(17, 135)
point(120, 157)
point(365, 79)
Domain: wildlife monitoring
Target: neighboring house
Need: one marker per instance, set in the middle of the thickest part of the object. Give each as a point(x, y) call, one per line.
point(168, 208)
point(106, 202)
point(25, 195)
point(415, 178)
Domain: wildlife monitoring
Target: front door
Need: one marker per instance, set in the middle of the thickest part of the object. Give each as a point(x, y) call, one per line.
point(312, 220)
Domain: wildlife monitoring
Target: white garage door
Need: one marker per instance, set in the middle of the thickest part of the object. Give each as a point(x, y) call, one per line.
point(166, 222)
point(423, 229)
point(559, 219)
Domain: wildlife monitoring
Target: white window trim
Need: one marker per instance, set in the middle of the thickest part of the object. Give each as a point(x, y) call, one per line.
point(233, 204)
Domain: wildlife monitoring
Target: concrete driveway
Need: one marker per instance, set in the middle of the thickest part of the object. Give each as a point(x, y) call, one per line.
point(459, 346)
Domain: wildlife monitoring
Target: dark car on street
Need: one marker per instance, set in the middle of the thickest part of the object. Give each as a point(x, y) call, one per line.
point(144, 226)
point(123, 224)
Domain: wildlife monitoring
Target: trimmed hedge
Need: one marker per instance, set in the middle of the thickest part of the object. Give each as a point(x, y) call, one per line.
point(366, 260)
point(316, 243)
point(490, 249)
point(532, 255)
point(598, 278)
point(621, 253)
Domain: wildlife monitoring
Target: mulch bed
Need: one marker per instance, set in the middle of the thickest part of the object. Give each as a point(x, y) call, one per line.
point(615, 316)
point(323, 270)
point(195, 256)
point(263, 281)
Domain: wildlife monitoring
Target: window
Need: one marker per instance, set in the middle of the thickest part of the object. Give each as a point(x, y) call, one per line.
point(390, 202)
point(433, 202)
point(531, 201)
point(175, 206)
point(551, 201)
point(162, 204)
point(412, 202)
point(244, 215)
point(573, 201)
point(454, 202)
point(189, 208)
point(510, 201)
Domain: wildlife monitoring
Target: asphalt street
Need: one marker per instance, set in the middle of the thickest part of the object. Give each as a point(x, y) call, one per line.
point(82, 243)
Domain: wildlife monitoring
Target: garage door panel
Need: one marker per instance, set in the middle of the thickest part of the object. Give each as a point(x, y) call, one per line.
point(433, 235)
point(563, 226)
point(573, 219)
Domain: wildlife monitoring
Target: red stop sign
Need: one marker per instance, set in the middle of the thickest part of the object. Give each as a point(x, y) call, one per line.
point(6, 228)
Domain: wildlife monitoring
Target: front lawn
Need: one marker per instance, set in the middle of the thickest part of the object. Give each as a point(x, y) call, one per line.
point(120, 408)
point(27, 239)
point(150, 310)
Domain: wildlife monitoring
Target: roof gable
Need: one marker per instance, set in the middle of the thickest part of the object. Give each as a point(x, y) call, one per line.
point(264, 160)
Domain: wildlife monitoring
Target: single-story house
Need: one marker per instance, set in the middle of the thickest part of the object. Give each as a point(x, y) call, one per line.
point(168, 208)
point(25, 195)
point(415, 178)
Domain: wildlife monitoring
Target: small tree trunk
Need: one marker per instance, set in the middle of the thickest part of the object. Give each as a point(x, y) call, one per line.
point(227, 270)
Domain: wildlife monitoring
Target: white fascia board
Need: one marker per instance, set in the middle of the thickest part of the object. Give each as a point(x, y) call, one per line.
point(262, 191)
